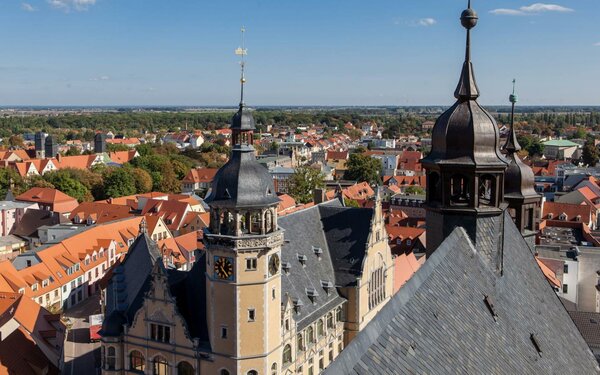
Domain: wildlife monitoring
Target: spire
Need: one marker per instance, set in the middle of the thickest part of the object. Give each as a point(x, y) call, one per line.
point(512, 145)
point(143, 227)
point(242, 51)
point(467, 86)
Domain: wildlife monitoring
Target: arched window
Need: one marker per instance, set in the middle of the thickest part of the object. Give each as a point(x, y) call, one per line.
point(459, 190)
point(487, 190)
point(137, 361)
point(299, 342)
point(252, 372)
point(274, 369)
point(310, 335)
point(330, 321)
point(320, 329)
point(184, 368)
point(255, 223)
point(287, 354)
point(160, 366)
point(269, 221)
point(338, 314)
point(434, 187)
point(111, 358)
point(224, 372)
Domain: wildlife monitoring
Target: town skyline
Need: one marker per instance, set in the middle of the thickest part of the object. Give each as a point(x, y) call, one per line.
point(104, 53)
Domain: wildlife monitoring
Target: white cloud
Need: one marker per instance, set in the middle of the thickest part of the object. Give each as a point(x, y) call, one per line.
point(101, 78)
point(68, 5)
point(28, 7)
point(531, 9)
point(427, 22)
point(597, 44)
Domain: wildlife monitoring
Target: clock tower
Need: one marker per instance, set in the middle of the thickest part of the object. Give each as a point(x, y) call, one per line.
point(243, 248)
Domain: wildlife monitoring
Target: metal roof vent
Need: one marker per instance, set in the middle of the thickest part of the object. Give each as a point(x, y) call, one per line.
point(286, 266)
point(536, 343)
point(318, 251)
point(490, 306)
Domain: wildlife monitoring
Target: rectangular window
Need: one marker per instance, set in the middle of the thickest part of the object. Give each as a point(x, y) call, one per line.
point(273, 293)
point(330, 355)
point(565, 288)
point(223, 332)
point(251, 264)
point(160, 333)
point(251, 315)
point(566, 268)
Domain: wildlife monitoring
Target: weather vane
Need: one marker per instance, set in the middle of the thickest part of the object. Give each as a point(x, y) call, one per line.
point(242, 51)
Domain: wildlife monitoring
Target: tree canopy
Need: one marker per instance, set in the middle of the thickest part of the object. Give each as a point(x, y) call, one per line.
point(303, 182)
point(362, 167)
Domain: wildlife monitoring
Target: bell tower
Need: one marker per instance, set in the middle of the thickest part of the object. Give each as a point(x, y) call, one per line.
point(243, 248)
point(465, 168)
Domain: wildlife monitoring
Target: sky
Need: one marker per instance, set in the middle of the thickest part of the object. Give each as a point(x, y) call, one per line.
point(308, 52)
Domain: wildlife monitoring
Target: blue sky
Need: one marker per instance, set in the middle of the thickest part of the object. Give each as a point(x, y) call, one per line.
point(308, 52)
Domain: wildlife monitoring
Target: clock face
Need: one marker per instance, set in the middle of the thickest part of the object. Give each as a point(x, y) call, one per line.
point(224, 268)
point(273, 264)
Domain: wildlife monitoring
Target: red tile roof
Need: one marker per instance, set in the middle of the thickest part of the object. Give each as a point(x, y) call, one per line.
point(200, 175)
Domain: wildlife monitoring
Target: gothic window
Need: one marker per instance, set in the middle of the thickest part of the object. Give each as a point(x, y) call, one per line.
point(459, 190)
point(377, 283)
point(338, 314)
point(160, 366)
point(287, 354)
point(184, 368)
point(329, 321)
point(111, 358)
point(299, 342)
point(274, 369)
point(434, 187)
point(137, 361)
point(487, 190)
point(310, 335)
point(320, 328)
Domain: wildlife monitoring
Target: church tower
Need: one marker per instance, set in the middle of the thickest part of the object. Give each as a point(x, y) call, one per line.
point(243, 248)
point(465, 168)
point(519, 192)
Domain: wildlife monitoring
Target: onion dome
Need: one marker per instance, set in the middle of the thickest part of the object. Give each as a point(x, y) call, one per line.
point(242, 182)
point(466, 133)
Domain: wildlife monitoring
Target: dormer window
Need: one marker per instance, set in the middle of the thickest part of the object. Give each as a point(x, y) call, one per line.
point(302, 259)
point(286, 266)
point(550, 216)
point(297, 305)
point(578, 218)
point(312, 294)
point(318, 251)
point(327, 286)
point(563, 217)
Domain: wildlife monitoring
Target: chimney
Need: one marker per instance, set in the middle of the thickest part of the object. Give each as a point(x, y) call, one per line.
point(319, 195)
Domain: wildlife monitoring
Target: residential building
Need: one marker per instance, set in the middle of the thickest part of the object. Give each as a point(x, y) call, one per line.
point(49, 199)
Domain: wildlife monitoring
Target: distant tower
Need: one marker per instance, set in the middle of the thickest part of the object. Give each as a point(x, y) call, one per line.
point(100, 143)
point(465, 168)
point(51, 147)
point(243, 255)
point(519, 183)
point(40, 144)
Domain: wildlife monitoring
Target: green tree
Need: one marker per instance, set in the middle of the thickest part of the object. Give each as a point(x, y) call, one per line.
point(15, 141)
point(351, 203)
point(113, 147)
point(72, 151)
point(580, 133)
point(142, 179)
point(118, 182)
point(415, 190)
point(590, 153)
point(10, 179)
point(69, 185)
point(362, 167)
point(303, 182)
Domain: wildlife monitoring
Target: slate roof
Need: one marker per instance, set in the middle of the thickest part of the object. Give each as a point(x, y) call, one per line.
point(588, 324)
point(303, 233)
point(433, 326)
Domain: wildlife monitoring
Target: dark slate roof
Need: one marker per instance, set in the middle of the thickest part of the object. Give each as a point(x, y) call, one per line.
point(439, 323)
point(34, 219)
point(588, 324)
point(347, 233)
point(189, 290)
point(242, 182)
point(303, 233)
point(129, 283)
point(243, 119)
